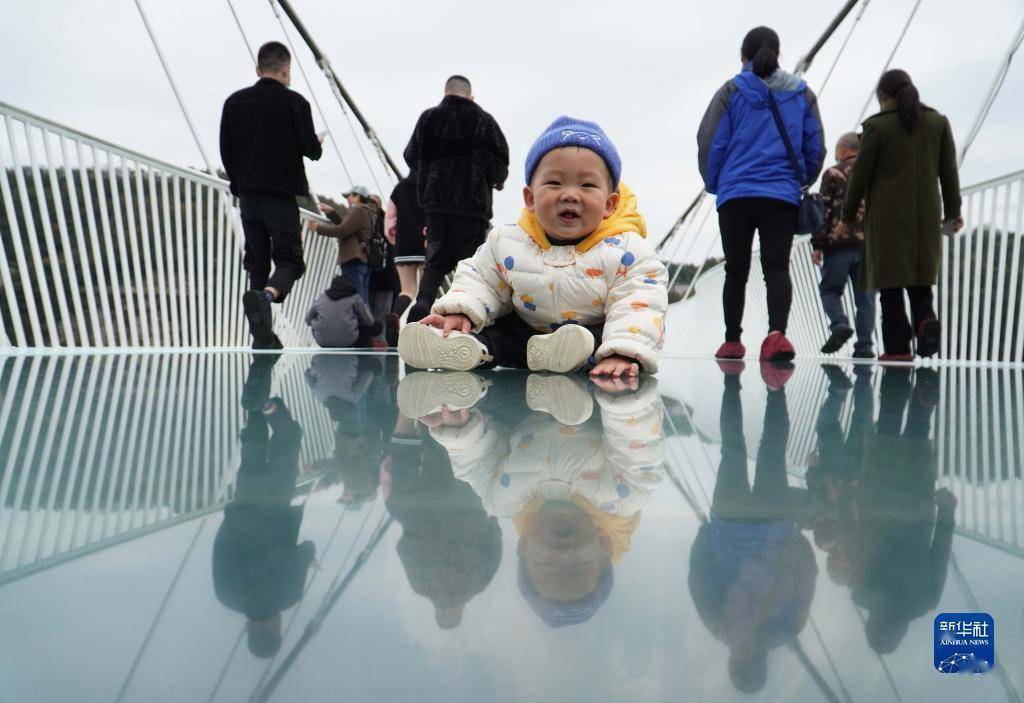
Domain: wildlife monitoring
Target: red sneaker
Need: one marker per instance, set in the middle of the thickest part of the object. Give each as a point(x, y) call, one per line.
point(731, 350)
point(731, 367)
point(777, 348)
point(896, 357)
point(776, 374)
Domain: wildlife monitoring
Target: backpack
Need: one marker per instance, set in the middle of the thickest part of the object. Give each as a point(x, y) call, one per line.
point(377, 246)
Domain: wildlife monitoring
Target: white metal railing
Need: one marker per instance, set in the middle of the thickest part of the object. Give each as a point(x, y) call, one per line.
point(96, 449)
point(978, 296)
point(101, 246)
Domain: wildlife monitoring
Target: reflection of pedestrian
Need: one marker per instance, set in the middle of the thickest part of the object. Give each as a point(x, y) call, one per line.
point(450, 548)
point(906, 526)
point(906, 151)
point(752, 573)
point(403, 227)
point(265, 130)
point(834, 473)
point(258, 569)
point(461, 155)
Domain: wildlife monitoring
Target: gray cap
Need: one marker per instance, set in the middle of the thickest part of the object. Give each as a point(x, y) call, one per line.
point(357, 190)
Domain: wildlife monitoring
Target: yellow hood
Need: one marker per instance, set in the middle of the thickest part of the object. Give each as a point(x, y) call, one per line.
point(625, 218)
point(618, 529)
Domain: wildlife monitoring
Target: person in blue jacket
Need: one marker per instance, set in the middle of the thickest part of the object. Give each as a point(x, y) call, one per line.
point(744, 162)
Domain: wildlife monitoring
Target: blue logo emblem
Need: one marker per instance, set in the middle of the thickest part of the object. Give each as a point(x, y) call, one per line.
point(964, 643)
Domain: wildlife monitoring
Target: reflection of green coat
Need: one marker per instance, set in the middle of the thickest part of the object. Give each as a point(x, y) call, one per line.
point(898, 173)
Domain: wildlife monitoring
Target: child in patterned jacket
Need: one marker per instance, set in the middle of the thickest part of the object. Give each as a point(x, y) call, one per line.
point(575, 282)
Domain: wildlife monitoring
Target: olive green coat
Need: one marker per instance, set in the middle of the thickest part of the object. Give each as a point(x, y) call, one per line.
point(898, 175)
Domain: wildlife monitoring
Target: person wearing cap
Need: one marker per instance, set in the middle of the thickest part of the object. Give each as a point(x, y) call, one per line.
point(461, 156)
point(353, 230)
point(575, 283)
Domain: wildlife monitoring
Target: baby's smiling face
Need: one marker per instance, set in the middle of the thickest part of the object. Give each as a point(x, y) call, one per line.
point(571, 192)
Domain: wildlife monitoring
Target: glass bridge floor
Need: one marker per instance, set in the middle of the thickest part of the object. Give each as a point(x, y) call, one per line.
point(306, 527)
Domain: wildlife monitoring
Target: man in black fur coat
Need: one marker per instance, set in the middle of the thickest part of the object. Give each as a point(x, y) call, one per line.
point(460, 154)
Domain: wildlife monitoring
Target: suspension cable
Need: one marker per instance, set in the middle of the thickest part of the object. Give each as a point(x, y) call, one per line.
point(993, 93)
point(312, 94)
point(888, 63)
point(842, 48)
point(241, 31)
point(174, 88)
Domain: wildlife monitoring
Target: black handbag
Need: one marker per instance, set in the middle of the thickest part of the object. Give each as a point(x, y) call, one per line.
point(812, 208)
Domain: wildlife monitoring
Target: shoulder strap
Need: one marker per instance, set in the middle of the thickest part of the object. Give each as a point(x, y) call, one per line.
point(793, 160)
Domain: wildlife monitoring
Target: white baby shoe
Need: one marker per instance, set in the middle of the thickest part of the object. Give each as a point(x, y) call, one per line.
point(421, 393)
point(565, 349)
point(423, 347)
point(564, 398)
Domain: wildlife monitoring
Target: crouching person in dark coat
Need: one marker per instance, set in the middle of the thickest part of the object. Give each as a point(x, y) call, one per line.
point(339, 317)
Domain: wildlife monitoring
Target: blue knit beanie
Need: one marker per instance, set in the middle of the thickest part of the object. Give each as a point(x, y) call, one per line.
point(566, 131)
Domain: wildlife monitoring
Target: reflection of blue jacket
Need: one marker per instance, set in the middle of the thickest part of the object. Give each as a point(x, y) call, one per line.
point(740, 151)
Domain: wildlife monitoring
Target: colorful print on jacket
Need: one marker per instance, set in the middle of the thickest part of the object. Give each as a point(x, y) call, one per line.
point(613, 277)
point(833, 194)
point(609, 469)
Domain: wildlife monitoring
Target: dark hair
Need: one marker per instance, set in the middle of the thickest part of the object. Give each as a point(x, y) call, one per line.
point(896, 84)
point(761, 48)
point(272, 57)
point(459, 85)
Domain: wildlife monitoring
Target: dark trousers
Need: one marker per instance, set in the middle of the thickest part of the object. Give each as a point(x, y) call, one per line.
point(358, 272)
point(506, 340)
point(775, 222)
point(770, 498)
point(450, 239)
point(272, 235)
point(896, 329)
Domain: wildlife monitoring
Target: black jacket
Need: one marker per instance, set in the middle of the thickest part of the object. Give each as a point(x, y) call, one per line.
point(265, 130)
point(460, 154)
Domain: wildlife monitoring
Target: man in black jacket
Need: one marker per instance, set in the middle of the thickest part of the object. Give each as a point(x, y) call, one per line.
point(265, 130)
point(460, 154)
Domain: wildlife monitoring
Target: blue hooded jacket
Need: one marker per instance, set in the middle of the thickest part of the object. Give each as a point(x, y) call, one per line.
point(740, 151)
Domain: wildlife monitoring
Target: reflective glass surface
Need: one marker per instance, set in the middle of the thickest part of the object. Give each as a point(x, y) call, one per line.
point(299, 527)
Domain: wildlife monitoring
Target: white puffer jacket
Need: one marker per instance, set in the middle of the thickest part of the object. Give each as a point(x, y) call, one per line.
point(617, 280)
point(614, 466)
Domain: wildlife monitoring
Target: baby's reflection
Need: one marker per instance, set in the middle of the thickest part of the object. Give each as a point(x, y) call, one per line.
point(573, 482)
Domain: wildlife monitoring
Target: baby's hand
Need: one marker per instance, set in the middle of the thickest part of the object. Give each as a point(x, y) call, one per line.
point(447, 323)
point(616, 385)
point(616, 365)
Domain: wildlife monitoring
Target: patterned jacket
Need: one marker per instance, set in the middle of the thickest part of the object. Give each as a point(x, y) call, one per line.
point(614, 278)
point(833, 192)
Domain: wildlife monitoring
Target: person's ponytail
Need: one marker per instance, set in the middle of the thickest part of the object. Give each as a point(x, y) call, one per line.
point(761, 49)
point(765, 62)
point(898, 86)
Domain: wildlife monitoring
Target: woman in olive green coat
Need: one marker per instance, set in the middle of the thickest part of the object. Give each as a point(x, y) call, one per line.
point(906, 152)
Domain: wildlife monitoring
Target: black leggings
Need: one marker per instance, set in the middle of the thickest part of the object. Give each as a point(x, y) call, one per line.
point(775, 222)
point(896, 329)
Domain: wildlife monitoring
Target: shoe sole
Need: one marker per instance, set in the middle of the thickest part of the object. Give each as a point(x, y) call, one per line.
point(421, 347)
point(566, 349)
point(729, 357)
point(564, 398)
point(930, 339)
point(781, 356)
point(261, 328)
point(831, 347)
point(423, 393)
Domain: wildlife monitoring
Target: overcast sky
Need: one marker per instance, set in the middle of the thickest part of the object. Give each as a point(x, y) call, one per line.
point(644, 70)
